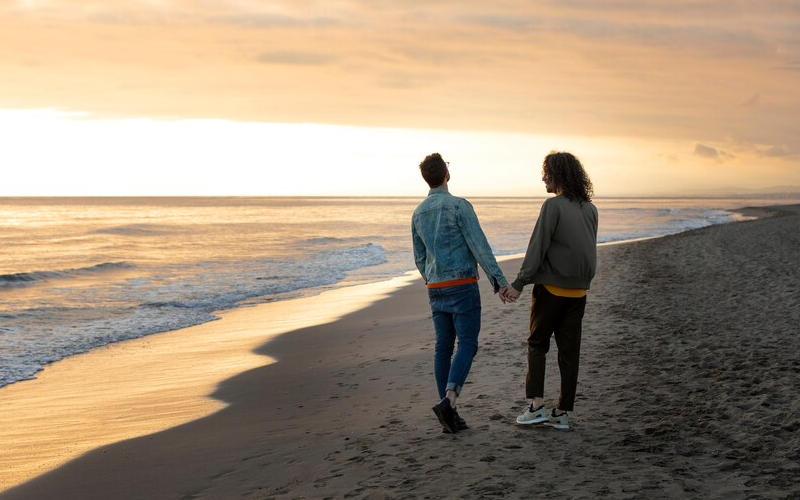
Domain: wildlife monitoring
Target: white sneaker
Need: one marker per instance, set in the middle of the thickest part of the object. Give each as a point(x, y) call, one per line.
point(531, 416)
point(558, 422)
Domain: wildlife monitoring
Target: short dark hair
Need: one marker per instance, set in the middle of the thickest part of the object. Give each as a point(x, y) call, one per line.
point(433, 169)
point(568, 176)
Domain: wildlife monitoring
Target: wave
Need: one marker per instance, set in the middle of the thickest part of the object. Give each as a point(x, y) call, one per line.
point(168, 303)
point(258, 280)
point(703, 219)
point(322, 240)
point(33, 277)
point(508, 252)
point(36, 336)
point(349, 259)
point(136, 229)
point(695, 220)
point(614, 238)
point(327, 240)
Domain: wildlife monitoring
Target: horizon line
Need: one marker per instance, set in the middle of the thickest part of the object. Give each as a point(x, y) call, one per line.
point(610, 196)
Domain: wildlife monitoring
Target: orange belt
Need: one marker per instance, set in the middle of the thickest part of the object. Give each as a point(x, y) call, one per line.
point(460, 281)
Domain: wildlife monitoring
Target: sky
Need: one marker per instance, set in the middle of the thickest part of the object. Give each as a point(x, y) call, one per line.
point(161, 97)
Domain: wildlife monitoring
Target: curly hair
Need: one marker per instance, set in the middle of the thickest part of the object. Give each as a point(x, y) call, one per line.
point(568, 176)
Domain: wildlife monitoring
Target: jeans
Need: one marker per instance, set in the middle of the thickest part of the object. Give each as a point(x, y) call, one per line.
point(561, 317)
point(456, 314)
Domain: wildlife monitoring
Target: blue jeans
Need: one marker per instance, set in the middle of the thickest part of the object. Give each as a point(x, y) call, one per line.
point(456, 314)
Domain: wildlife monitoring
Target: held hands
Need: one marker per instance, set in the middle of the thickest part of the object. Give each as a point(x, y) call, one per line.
point(508, 294)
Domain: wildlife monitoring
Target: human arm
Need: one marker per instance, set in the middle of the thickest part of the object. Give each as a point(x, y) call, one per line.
point(420, 253)
point(479, 245)
point(537, 247)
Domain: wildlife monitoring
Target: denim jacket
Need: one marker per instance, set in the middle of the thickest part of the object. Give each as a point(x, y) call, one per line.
point(449, 242)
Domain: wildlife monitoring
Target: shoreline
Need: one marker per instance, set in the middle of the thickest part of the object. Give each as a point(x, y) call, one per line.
point(746, 213)
point(345, 283)
point(94, 395)
point(248, 357)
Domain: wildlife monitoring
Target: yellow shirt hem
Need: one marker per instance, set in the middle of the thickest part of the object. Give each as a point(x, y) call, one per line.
point(574, 293)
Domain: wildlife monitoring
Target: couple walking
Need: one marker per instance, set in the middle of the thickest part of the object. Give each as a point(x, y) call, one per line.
point(560, 260)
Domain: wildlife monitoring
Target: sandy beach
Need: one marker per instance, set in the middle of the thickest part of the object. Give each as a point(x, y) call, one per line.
point(688, 383)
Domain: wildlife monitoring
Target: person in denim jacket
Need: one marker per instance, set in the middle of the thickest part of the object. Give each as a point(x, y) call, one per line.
point(448, 246)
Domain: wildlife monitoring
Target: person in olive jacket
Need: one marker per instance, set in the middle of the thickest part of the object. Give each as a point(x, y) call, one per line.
point(561, 260)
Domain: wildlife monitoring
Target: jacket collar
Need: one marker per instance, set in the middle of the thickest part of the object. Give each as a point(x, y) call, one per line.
point(438, 190)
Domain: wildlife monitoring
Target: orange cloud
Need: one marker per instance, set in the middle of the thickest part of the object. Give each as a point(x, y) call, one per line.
point(663, 70)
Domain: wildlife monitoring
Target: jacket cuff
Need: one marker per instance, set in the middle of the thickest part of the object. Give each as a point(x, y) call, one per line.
point(497, 283)
point(518, 285)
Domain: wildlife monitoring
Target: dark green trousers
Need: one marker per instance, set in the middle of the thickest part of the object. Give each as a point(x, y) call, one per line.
point(560, 317)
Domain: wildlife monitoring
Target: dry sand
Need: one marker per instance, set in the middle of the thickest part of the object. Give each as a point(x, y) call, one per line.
point(688, 388)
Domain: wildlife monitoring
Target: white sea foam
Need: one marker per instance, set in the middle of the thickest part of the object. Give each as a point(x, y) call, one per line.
point(36, 336)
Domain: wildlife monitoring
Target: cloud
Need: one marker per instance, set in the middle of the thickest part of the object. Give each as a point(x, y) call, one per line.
point(403, 80)
point(623, 67)
point(672, 9)
point(790, 66)
point(706, 151)
point(753, 101)
point(31, 4)
point(299, 58)
point(277, 21)
point(712, 153)
point(500, 21)
point(127, 18)
point(592, 25)
point(775, 152)
point(670, 157)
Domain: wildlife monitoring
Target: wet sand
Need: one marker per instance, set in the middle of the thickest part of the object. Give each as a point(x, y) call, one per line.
point(688, 384)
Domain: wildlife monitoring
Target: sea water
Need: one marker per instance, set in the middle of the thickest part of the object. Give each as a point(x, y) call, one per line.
point(78, 273)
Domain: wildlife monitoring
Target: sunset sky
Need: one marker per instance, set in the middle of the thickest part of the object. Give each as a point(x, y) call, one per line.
point(346, 97)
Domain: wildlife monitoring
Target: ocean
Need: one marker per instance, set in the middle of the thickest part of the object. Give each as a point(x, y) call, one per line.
point(78, 273)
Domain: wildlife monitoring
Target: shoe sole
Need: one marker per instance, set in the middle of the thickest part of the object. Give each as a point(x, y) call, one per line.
point(443, 421)
point(446, 431)
point(532, 422)
point(558, 427)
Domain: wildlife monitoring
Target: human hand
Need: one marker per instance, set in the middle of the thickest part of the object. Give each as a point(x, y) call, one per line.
point(510, 294)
